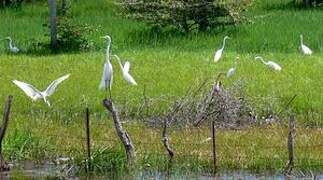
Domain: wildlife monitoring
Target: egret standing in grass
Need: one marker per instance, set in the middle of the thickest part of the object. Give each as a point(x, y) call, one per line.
point(232, 70)
point(305, 50)
point(125, 71)
point(12, 47)
point(219, 52)
point(107, 75)
point(270, 64)
point(35, 94)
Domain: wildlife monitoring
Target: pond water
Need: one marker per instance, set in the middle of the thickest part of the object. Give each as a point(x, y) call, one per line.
point(29, 170)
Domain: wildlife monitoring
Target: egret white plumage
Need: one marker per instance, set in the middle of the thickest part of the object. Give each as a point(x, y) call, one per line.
point(12, 47)
point(35, 94)
point(125, 71)
point(107, 75)
point(219, 52)
point(270, 64)
point(305, 50)
point(232, 70)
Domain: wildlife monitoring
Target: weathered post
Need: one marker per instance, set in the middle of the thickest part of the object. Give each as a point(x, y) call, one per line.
point(88, 140)
point(123, 135)
point(165, 141)
point(213, 147)
point(3, 164)
point(291, 145)
point(53, 23)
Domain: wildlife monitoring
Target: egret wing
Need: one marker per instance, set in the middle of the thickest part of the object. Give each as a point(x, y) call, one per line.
point(126, 66)
point(107, 76)
point(29, 90)
point(130, 79)
point(52, 87)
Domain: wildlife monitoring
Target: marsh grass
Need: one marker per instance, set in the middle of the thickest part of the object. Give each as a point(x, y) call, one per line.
point(166, 63)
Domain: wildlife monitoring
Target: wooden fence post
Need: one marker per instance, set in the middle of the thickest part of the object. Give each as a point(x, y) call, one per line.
point(213, 147)
point(123, 135)
point(88, 138)
point(291, 145)
point(3, 164)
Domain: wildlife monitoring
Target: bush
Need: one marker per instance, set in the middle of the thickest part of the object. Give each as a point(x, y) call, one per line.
point(185, 14)
point(70, 37)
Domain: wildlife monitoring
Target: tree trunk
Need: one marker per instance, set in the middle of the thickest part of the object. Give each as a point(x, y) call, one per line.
point(53, 24)
point(123, 135)
point(64, 7)
point(307, 3)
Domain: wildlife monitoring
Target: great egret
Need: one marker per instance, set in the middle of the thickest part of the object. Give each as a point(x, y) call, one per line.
point(232, 70)
point(35, 94)
point(305, 50)
point(107, 75)
point(125, 71)
point(270, 64)
point(12, 48)
point(219, 52)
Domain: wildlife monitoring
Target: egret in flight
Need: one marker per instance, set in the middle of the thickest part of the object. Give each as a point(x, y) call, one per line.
point(12, 47)
point(35, 94)
point(107, 75)
point(232, 70)
point(270, 64)
point(219, 52)
point(125, 71)
point(305, 50)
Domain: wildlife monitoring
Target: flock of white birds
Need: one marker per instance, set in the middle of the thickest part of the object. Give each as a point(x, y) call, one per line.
point(271, 64)
point(107, 75)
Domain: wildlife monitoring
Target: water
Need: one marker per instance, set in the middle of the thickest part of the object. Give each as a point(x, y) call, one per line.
point(29, 170)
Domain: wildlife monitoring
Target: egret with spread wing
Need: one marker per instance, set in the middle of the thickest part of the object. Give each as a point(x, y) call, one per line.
point(35, 94)
point(125, 71)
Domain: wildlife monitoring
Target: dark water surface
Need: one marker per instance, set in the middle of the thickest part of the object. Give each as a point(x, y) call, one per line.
point(29, 170)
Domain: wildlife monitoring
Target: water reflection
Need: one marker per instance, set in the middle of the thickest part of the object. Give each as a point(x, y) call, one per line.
point(29, 170)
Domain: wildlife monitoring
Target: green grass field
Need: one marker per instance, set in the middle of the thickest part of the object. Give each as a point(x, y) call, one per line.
point(167, 64)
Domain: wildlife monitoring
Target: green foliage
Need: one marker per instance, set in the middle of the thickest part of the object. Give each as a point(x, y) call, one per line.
point(72, 36)
point(186, 15)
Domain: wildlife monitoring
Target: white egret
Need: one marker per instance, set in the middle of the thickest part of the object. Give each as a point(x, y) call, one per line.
point(270, 64)
point(12, 48)
point(125, 71)
point(219, 52)
point(232, 70)
point(35, 94)
point(305, 50)
point(107, 75)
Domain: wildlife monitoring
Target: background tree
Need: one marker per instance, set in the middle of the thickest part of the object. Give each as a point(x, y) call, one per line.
point(185, 15)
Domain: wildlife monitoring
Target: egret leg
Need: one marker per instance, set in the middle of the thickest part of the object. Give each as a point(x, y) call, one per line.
point(110, 94)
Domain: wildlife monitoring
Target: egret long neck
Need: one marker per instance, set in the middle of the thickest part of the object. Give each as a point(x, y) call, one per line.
point(223, 45)
point(10, 43)
point(119, 62)
point(108, 51)
point(302, 42)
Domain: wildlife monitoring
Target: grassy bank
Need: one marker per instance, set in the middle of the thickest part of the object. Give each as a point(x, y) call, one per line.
point(166, 64)
point(257, 149)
